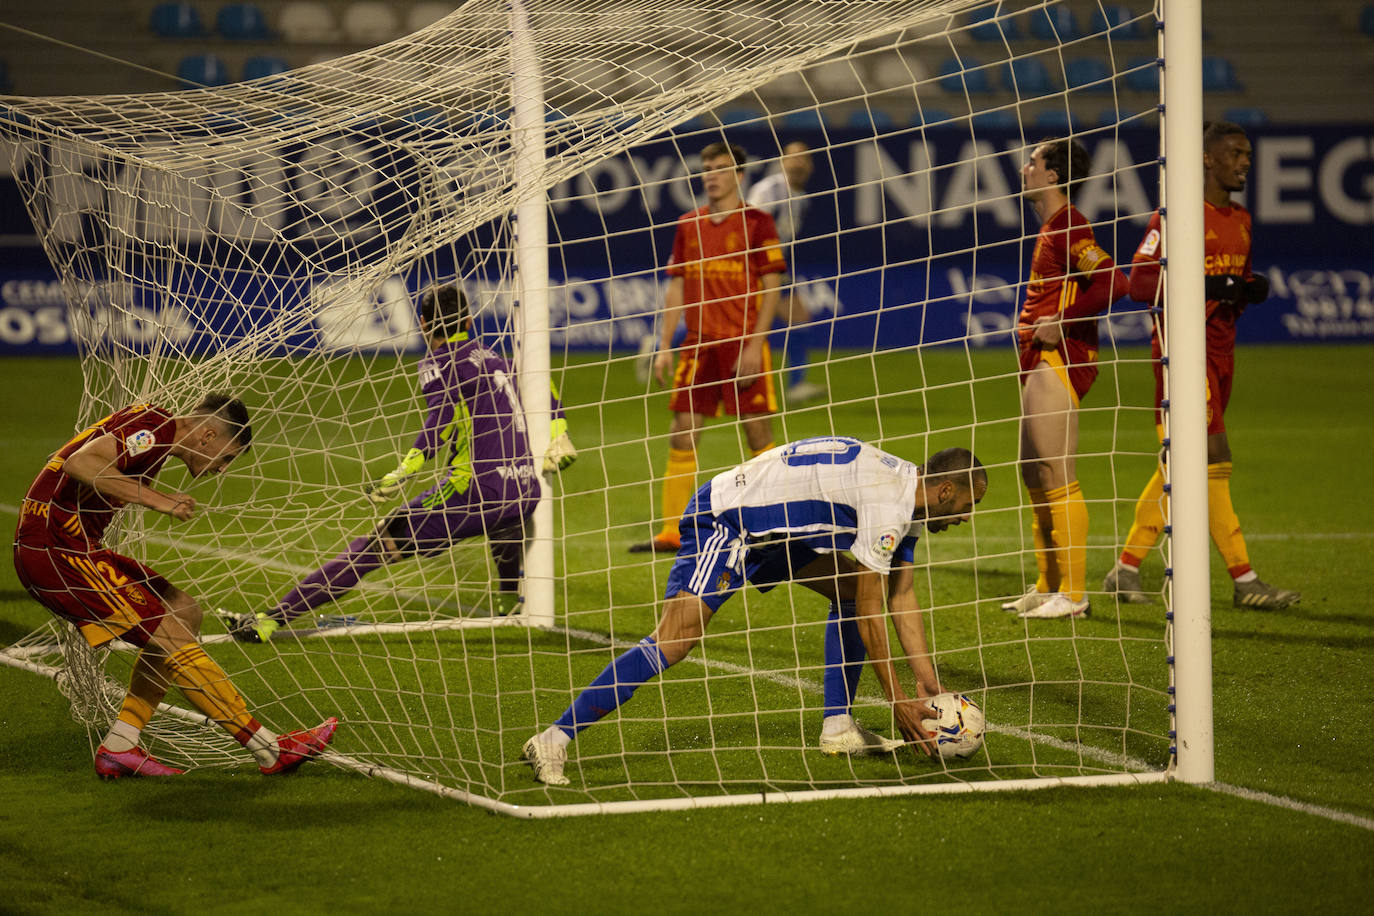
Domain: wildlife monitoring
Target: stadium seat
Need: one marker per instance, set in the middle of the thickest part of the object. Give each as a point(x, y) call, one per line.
point(242, 22)
point(1027, 76)
point(731, 116)
point(307, 21)
point(987, 27)
point(891, 71)
point(370, 22)
point(865, 119)
point(958, 78)
point(255, 68)
point(1088, 74)
point(176, 20)
point(199, 70)
point(1118, 20)
point(1143, 74)
point(423, 15)
point(1246, 116)
point(806, 119)
point(996, 119)
point(1218, 75)
point(1055, 23)
point(1056, 121)
point(1367, 20)
point(930, 116)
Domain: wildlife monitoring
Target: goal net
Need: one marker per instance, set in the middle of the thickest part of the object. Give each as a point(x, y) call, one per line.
point(274, 238)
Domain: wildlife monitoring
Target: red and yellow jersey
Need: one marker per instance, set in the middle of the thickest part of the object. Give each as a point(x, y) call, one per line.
point(60, 511)
point(1066, 267)
point(1226, 250)
point(722, 265)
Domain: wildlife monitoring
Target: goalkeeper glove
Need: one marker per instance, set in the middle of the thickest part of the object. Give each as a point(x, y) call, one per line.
point(1224, 288)
point(560, 454)
point(1255, 289)
point(389, 487)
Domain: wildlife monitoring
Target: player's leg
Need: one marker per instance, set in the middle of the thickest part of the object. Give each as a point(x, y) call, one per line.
point(507, 543)
point(1250, 591)
point(1050, 443)
point(174, 648)
point(797, 346)
point(1149, 519)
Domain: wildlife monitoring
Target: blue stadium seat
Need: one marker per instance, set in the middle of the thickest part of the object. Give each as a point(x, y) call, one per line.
point(1246, 116)
point(1367, 20)
point(242, 22)
point(806, 119)
point(1055, 23)
point(732, 116)
point(984, 28)
point(929, 116)
point(997, 119)
point(864, 119)
point(202, 70)
point(1088, 74)
point(1027, 76)
point(1143, 74)
point(1219, 75)
point(176, 20)
point(255, 68)
point(1056, 121)
point(957, 75)
point(1118, 20)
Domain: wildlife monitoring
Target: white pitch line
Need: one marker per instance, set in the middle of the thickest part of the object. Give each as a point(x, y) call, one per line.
point(788, 681)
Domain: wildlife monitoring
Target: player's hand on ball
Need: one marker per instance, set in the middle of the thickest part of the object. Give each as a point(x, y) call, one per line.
point(383, 492)
point(909, 714)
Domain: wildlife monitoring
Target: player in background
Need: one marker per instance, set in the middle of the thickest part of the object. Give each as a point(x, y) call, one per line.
point(63, 563)
point(782, 195)
point(831, 513)
point(1072, 281)
point(723, 282)
point(490, 485)
point(1229, 286)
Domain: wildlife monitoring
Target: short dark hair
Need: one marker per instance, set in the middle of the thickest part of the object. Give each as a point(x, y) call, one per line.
point(721, 148)
point(445, 310)
point(958, 465)
point(1067, 158)
point(230, 411)
point(1214, 131)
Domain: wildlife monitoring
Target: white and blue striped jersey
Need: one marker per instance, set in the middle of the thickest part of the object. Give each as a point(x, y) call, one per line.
point(831, 493)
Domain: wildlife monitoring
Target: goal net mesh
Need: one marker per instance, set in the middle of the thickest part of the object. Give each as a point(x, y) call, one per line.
point(273, 238)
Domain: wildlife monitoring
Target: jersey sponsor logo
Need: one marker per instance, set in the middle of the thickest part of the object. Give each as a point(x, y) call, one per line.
point(1151, 243)
point(139, 442)
point(429, 372)
point(887, 543)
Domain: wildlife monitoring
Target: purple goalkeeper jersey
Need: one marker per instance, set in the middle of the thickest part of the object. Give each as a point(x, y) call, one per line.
point(474, 415)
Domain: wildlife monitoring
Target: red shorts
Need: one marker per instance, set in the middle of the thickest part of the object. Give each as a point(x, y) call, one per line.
point(704, 382)
point(1074, 361)
point(1220, 372)
point(103, 594)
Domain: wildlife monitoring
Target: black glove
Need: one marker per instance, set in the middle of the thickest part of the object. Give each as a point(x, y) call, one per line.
point(1255, 289)
point(1224, 288)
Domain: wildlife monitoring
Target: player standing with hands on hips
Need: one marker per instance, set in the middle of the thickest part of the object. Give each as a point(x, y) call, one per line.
point(62, 562)
point(1230, 286)
point(833, 514)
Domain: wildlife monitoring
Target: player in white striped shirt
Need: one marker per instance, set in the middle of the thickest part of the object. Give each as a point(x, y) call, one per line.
point(834, 514)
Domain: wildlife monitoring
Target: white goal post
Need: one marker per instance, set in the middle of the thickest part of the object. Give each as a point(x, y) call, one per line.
point(273, 238)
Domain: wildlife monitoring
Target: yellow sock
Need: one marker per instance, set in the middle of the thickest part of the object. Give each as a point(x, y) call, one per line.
point(1224, 523)
point(136, 712)
point(1070, 537)
point(1149, 521)
point(759, 451)
point(209, 690)
point(679, 483)
point(1042, 524)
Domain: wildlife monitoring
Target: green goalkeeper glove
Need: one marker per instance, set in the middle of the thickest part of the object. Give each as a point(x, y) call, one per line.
point(389, 487)
point(560, 453)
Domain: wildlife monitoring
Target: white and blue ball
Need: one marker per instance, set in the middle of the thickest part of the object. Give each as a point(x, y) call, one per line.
point(959, 728)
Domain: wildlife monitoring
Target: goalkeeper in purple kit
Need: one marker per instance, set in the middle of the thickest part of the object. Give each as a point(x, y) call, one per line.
point(490, 487)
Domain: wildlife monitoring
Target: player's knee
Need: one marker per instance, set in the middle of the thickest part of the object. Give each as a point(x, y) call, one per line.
point(184, 610)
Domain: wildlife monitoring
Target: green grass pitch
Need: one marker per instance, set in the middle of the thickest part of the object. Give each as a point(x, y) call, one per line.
point(1291, 690)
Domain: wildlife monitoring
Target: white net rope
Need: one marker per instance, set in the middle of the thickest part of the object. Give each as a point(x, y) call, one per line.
point(272, 238)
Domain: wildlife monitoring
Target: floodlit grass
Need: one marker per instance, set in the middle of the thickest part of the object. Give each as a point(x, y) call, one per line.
point(1290, 687)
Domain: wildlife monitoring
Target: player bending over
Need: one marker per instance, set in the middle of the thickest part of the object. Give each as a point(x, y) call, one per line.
point(1230, 287)
point(490, 486)
point(829, 513)
point(62, 561)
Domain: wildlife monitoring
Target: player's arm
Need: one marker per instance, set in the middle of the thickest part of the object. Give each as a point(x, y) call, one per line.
point(560, 454)
point(668, 321)
point(870, 589)
point(1145, 270)
point(96, 464)
point(437, 428)
point(909, 622)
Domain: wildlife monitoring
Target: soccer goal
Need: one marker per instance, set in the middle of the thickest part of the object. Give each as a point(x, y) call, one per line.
point(274, 238)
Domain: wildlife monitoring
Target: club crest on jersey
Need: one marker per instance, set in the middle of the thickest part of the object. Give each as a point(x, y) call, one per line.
point(723, 582)
point(139, 442)
point(887, 543)
point(1151, 243)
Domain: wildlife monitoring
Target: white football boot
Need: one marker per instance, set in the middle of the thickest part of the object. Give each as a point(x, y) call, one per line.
point(857, 741)
point(1057, 605)
point(546, 759)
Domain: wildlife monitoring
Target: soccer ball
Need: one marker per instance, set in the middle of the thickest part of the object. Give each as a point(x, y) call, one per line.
point(959, 730)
